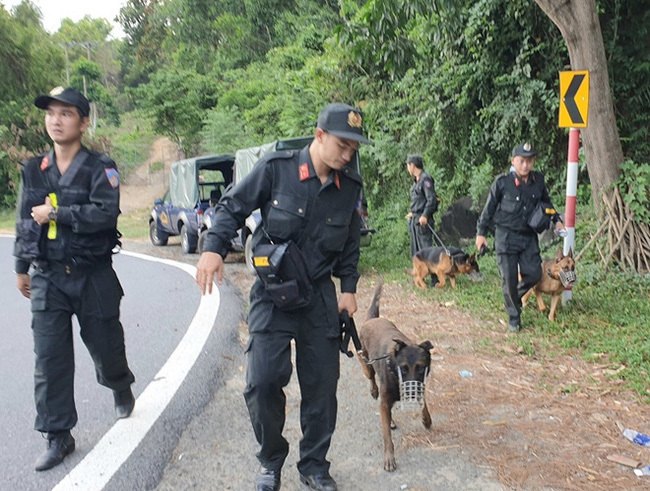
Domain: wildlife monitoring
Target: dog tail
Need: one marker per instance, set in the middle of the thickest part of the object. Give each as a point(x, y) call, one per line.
point(373, 310)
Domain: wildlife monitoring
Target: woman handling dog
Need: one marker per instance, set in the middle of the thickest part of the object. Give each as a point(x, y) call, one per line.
point(511, 203)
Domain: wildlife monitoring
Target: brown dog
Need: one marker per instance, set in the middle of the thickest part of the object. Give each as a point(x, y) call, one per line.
point(442, 262)
point(385, 351)
point(553, 270)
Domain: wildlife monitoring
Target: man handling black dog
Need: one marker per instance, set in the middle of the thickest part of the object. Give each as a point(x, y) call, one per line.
point(511, 204)
point(309, 197)
point(66, 230)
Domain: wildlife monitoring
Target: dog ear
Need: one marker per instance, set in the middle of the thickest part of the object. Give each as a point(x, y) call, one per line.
point(399, 344)
point(427, 346)
point(472, 258)
point(570, 254)
point(559, 254)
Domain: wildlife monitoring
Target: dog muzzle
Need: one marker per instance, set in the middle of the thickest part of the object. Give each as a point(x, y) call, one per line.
point(567, 277)
point(411, 393)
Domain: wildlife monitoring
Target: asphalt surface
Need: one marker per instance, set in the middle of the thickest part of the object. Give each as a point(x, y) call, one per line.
point(160, 303)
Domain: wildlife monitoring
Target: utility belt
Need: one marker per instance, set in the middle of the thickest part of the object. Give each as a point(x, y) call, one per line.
point(71, 266)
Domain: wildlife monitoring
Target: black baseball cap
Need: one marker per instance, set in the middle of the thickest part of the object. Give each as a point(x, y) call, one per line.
point(524, 150)
point(343, 121)
point(416, 160)
point(66, 95)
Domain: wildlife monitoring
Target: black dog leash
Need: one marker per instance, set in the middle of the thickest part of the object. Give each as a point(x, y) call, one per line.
point(348, 331)
point(439, 240)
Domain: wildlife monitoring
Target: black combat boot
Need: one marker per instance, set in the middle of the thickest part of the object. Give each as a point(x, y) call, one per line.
point(268, 480)
point(321, 481)
point(124, 402)
point(59, 445)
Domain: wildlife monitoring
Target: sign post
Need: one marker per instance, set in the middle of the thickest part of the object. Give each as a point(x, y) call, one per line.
point(574, 108)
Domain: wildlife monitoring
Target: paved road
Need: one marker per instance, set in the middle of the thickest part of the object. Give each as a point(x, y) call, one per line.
point(177, 357)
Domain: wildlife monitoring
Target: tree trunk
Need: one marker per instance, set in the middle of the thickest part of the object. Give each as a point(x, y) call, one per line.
point(578, 22)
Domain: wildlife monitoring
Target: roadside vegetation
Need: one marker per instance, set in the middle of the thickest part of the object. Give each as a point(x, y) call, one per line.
point(458, 82)
point(607, 321)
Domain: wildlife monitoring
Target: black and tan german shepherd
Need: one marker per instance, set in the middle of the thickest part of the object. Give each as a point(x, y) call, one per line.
point(443, 262)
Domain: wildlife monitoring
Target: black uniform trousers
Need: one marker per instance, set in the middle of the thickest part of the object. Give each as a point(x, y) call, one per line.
point(517, 254)
point(421, 237)
point(315, 331)
point(93, 295)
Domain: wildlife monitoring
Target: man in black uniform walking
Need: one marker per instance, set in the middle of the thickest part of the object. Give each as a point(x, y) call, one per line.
point(424, 204)
point(65, 230)
point(308, 196)
point(512, 199)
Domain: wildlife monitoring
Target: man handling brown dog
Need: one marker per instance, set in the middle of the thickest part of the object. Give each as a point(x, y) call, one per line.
point(307, 197)
point(510, 204)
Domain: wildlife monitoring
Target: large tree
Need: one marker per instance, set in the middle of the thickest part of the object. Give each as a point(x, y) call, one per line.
point(580, 27)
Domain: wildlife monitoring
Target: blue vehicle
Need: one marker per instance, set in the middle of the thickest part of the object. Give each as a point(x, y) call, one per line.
point(245, 159)
point(195, 185)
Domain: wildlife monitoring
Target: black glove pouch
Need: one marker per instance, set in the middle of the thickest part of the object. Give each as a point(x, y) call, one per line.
point(282, 269)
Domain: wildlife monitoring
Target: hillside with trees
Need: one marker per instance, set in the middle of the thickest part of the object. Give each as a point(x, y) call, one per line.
point(459, 82)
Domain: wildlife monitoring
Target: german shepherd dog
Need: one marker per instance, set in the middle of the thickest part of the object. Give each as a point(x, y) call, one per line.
point(436, 260)
point(557, 273)
point(395, 360)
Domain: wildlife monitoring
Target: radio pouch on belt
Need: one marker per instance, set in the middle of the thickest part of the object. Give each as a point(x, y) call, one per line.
point(282, 269)
point(540, 219)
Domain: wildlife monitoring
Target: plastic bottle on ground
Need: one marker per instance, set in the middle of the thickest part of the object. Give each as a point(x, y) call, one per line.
point(636, 437)
point(643, 471)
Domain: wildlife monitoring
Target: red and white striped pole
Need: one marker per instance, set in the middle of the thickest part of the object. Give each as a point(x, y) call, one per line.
point(571, 198)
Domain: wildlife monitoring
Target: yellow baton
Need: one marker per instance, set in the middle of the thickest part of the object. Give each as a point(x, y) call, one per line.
point(51, 232)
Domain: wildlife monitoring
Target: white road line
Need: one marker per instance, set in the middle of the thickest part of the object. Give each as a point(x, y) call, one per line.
point(104, 460)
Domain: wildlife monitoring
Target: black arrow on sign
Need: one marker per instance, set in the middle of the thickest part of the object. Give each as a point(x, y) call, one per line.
point(569, 99)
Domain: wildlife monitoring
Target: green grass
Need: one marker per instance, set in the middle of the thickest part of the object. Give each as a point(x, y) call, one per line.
point(7, 221)
point(608, 319)
point(134, 225)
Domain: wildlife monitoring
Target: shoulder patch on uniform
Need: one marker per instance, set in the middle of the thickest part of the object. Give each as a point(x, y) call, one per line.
point(113, 177)
point(428, 183)
point(45, 162)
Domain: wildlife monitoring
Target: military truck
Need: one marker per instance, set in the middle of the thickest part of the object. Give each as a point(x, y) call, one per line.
point(195, 185)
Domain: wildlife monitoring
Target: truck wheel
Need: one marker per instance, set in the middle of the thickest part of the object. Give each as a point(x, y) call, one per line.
point(188, 242)
point(157, 238)
point(248, 253)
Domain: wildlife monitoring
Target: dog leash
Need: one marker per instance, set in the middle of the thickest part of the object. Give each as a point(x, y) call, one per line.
point(439, 240)
point(348, 331)
point(374, 360)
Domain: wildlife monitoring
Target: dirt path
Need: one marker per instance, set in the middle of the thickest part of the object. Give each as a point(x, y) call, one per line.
point(533, 420)
point(144, 185)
